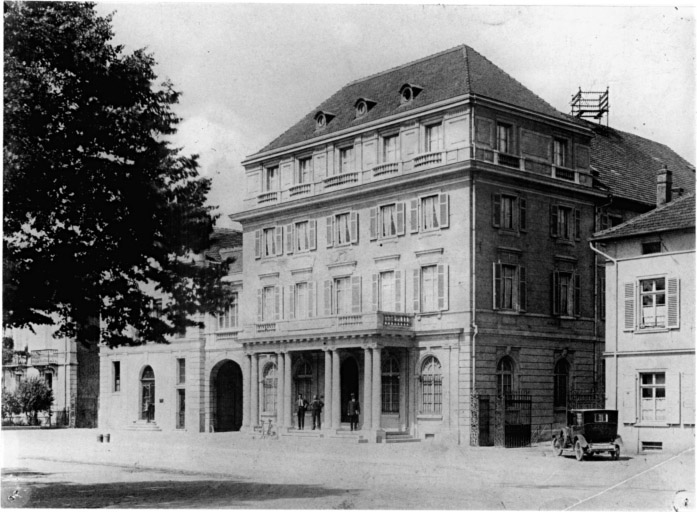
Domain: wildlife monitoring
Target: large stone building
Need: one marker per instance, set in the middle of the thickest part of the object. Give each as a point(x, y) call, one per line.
point(420, 241)
point(650, 330)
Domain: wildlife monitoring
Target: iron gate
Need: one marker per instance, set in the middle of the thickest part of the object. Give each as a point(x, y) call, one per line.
point(513, 420)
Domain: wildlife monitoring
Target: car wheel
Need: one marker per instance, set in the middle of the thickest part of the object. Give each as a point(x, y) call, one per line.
point(616, 453)
point(578, 449)
point(557, 447)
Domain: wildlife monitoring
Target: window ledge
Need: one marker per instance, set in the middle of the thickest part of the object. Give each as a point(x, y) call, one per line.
point(648, 424)
point(650, 330)
point(429, 417)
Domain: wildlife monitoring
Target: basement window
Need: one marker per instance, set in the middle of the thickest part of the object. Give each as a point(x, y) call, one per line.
point(647, 446)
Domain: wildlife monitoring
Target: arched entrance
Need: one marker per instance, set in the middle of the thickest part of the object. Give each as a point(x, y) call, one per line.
point(349, 384)
point(147, 394)
point(227, 397)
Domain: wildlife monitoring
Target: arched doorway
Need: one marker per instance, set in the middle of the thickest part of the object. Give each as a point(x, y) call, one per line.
point(147, 394)
point(349, 384)
point(227, 399)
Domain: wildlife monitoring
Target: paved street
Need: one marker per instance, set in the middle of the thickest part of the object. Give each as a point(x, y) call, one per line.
point(69, 468)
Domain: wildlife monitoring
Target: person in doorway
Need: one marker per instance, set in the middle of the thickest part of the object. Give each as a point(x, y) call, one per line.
point(301, 407)
point(316, 405)
point(354, 409)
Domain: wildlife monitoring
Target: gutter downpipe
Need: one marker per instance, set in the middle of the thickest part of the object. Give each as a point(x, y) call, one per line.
point(475, 329)
point(617, 323)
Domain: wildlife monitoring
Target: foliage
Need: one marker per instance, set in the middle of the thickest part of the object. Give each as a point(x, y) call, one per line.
point(10, 404)
point(34, 396)
point(101, 214)
point(8, 346)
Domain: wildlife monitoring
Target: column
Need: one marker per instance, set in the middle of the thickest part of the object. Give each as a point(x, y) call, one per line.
point(280, 392)
point(327, 420)
point(412, 382)
point(288, 407)
point(377, 385)
point(254, 416)
point(247, 392)
point(367, 389)
point(403, 390)
point(336, 391)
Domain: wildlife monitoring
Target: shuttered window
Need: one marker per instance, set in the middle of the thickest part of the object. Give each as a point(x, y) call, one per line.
point(434, 138)
point(387, 221)
point(653, 396)
point(566, 293)
point(509, 287)
point(430, 287)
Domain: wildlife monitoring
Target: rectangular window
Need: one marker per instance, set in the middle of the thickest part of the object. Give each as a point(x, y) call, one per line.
point(116, 366)
point(304, 174)
point(429, 288)
point(434, 138)
point(564, 223)
point(560, 153)
point(181, 408)
point(346, 160)
point(387, 292)
point(650, 247)
point(509, 212)
point(301, 301)
point(388, 221)
point(429, 213)
point(504, 138)
point(653, 396)
point(181, 371)
point(342, 296)
point(302, 236)
point(508, 217)
point(269, 242)
point(653, 302)
point(389, 148)
point(566, 289)
point(342, 226)
point(228, 320)
point(509, 287)
point(268, 300)
point(601, 293)
point(271, 179)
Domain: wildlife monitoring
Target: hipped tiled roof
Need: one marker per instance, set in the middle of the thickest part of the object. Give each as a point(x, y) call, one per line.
point(455, 72)
point(677, 214)
point(223, 238)
point(628, 164)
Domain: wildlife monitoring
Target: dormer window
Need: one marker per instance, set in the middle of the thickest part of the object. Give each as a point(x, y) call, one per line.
point(322, 119)
point(409, 91)
point(363, 106)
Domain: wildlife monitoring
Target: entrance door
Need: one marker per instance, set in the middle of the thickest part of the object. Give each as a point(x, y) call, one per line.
point(228, 394)
point(181, 408)
point(349, 384)
point(147, 393)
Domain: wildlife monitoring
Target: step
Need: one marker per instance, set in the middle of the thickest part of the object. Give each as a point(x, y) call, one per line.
point(400, 437)
point(142, 425)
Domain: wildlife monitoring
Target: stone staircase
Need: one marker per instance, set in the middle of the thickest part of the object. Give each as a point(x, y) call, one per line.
point(144, 426)
point(400, 437)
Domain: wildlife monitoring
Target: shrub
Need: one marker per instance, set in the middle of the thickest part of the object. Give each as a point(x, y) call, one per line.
point(34, 396)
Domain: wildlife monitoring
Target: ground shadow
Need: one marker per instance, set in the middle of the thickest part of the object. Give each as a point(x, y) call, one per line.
point(20, 473)
point(172, 494)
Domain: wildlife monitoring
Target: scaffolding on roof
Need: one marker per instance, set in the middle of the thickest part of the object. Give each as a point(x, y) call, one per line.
point(593, 104)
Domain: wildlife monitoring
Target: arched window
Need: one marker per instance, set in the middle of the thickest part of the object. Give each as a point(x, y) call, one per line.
point(147, 393)
point(504, 376)
point(561, 382)
point(303, 380)
point(431, 386)
point(270, 387)
point(390, 385)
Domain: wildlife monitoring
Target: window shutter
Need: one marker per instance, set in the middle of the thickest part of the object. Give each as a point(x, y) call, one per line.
point(260, 306)
point(313, 234)
point(356, 294)
point(577, 294)
point(330, 231)
point(629, 306)
point(496, 210)
point(311, 302)
point(553, 219)
point(328, 298)
point(277, 305)
point(257, 244)
point(375, 292)
point(522, 214)
point(577, 223)
point(522, 290)
point(398, 291)
point(400, 218)
point(417, 292)
point(373, 223)
point(354, 227)
point(497, 284)
point(414, 216)
point(628, 410)
point(289, 239)
point(444, 210)
point(279, 240)
point(442, 287)
point(687, 395)
point(555, 292)
point(291, 302)
point(673, 398)
point(673, 303)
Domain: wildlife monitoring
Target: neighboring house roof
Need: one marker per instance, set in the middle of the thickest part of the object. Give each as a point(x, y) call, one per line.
point(677, 214)
point(628, 164)
point(455, 72)
point(223, 238)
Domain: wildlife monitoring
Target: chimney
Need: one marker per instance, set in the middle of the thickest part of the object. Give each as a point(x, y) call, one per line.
point(664, 186)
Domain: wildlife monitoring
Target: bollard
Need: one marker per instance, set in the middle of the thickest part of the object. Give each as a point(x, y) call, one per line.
point(107, 438)
point(100, 438)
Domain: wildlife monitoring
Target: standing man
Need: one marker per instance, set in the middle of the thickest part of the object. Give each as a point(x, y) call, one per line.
point(301, 406)
point(354, 409)
point(316, 405)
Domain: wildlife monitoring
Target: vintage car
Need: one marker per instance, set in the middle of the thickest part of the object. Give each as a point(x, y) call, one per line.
point(589, 431)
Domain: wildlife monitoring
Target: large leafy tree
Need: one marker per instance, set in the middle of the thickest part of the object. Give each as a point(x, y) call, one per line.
point(101, 213)
point(34, 396)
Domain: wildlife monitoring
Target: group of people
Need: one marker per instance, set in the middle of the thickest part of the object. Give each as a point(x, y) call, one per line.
point(353, 409)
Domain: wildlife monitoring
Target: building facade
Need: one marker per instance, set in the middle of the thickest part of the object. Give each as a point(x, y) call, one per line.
point(650, 329)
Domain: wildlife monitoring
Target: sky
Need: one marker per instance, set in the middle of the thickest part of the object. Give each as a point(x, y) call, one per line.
point(248, 72)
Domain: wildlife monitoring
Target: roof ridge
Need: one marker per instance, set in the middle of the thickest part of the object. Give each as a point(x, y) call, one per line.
point(401, 66)
point(467, 66)
point(638, 218)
